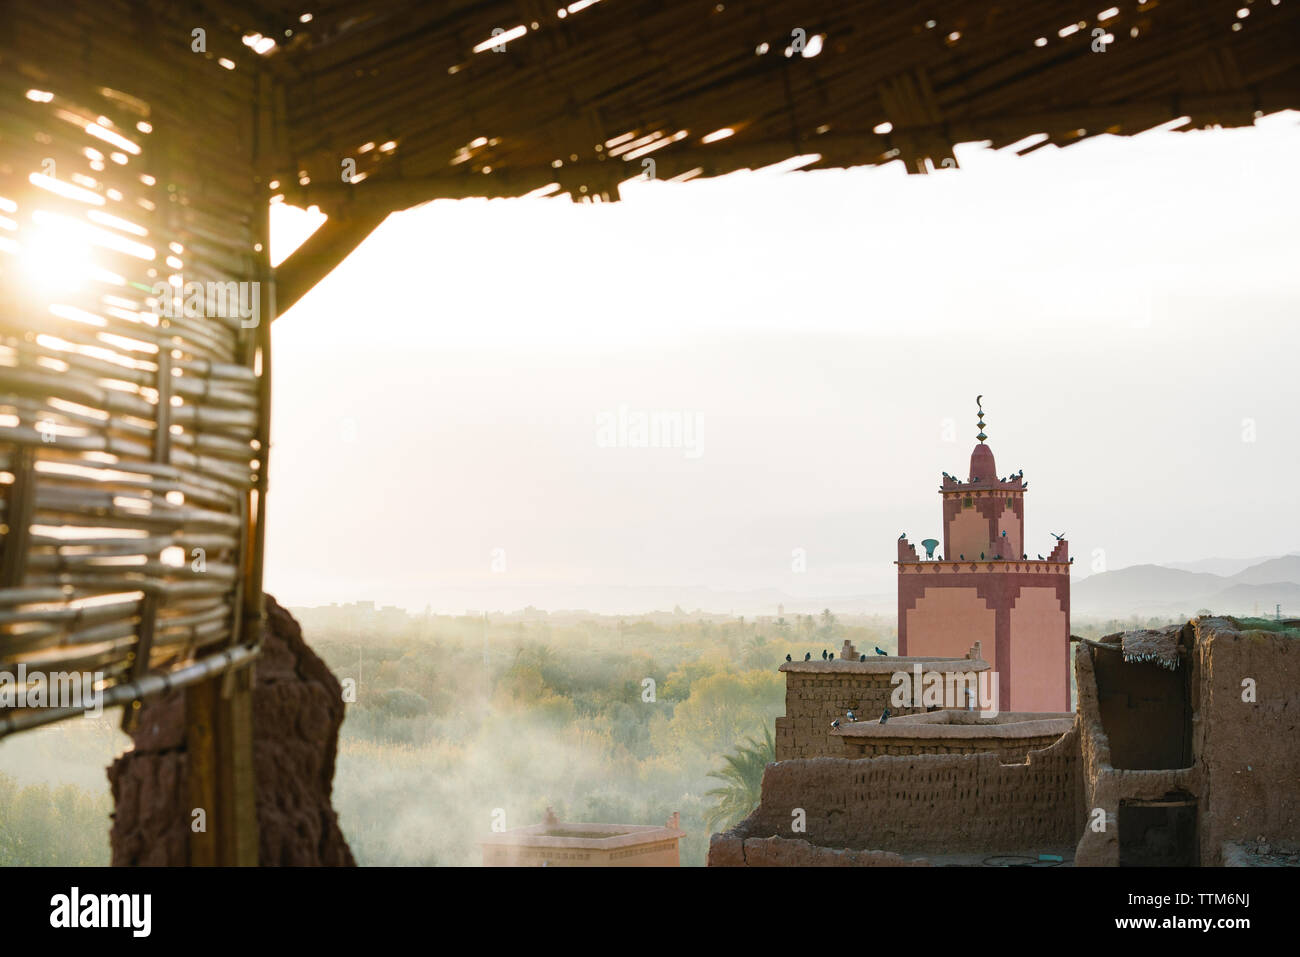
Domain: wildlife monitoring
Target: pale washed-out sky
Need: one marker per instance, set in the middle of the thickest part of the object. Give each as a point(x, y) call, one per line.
point(1128, 308)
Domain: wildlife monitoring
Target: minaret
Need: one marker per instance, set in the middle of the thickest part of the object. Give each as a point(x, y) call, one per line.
point(983, 515)
point(987, 589)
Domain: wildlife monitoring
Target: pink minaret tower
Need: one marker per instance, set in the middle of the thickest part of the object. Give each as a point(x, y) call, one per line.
point(985, 587)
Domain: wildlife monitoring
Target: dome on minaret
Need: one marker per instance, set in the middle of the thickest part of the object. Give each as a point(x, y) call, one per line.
point(982, 466)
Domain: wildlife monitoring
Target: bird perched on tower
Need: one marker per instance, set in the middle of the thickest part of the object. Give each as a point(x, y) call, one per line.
point(862, 657)
point(884, 716)
point(808, 656)
point(823, 654)
point(788, 658)
point(879, 652)
point(851, 716)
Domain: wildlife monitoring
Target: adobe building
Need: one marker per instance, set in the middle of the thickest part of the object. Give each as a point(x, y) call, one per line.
point(556, 843)
point(1182, 752)
point(820, 692)
point(985, 587)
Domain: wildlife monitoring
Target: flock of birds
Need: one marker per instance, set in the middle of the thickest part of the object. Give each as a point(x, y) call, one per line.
point(1014, 476)
point(1024, 556)
point(830, 655)
point(884, 716)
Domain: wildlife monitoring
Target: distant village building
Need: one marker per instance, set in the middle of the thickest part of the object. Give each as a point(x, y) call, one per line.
point(556, 843)
point(985, 587)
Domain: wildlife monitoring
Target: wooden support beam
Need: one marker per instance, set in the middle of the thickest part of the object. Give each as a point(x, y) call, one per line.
point(219, 750)
point(317, 257)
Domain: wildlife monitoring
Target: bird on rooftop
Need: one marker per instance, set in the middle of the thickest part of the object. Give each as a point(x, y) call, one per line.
point(903, 536)
point(823, 654)
point(884, 716)
point(808, 656)
point(1025, 486)
point(788, 658)
point(851, 716)
point(981, 556)
point(835, 723)
point(1024, 556)
point(1057, 537)
point(862, 657)
point(1004, 534)
point(1040, 558)
point(879, 652)
point(940, 558)
point(962, 556)
point(1071, 559)
point(831, 656)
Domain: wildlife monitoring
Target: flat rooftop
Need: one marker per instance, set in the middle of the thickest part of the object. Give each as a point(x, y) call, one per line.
point(884, 665)
point(954, 724)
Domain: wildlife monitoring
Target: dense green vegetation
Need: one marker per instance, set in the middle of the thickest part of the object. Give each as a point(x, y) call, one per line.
point(42, 826)
point(455, 720)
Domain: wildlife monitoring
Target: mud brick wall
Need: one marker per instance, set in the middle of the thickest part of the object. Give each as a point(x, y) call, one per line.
point(1104, 785)
point(1245, 754)
point(1249, 751)
point(814, 700)
point(927, 803)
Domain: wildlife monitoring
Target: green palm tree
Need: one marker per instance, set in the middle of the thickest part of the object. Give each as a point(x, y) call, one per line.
point(743, 781)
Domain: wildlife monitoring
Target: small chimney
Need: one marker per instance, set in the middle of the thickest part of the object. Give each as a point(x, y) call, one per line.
point(551, 819)
point(674, 822)
point(848, 652)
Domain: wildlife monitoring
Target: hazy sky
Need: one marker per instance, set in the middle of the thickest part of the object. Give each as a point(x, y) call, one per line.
point(1127, 307)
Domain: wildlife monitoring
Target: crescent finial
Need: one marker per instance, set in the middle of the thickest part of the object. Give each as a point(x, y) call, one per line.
point(979, 404)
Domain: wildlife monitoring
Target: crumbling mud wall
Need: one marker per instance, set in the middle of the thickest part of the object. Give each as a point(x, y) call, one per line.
point(925, 803)
point(1105, 787)
point(1249, 749)
point(297, 712)
point(1245, 747)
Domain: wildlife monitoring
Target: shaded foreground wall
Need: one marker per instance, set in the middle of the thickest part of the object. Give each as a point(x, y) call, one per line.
point(297, 712)
point(921, 803)
point(1244, 775)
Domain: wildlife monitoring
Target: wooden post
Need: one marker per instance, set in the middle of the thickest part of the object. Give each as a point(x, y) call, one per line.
point(219, 746)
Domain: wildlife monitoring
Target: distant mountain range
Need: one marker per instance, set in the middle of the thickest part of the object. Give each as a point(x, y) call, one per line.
point(1164, 590)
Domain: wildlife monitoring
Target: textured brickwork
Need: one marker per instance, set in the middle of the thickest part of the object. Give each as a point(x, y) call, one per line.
point(926, 803)
point(1008, 751)
point(813, 701)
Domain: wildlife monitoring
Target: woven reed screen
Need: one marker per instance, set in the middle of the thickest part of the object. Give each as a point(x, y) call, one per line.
point(132, 414)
